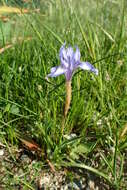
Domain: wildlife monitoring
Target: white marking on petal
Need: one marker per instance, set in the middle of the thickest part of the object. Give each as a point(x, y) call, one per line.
point(63, 56)
point(96, 71)
point(64, 63)
point(56, 71)
point(62, 49)
point(77, 55)
point(88, 66)
point(70, 52)
point(53, 69)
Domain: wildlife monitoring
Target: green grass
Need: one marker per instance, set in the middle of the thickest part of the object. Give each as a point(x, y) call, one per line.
point(32, 106)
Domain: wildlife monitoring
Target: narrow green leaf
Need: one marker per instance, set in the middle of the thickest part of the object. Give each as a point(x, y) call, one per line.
point(80, 165)
point(105, 32)
point(107, 162)
point(84, 36)
point(54, 34)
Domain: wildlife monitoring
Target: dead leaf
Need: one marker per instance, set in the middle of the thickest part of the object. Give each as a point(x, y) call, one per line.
point(51, 166)
point(14, 40)
point(31, 145)
point(124, 131)
point(5, 48)
point(6, 9)
point(4, 18)
point(1, 144)
point(9, 10)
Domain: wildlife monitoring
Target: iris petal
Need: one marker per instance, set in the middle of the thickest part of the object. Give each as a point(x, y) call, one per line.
point(70, 53)
point(56, 71)
point(62, 52)
point(63, 56)
point(64, 63)
point(88, 66)
point(77, 55)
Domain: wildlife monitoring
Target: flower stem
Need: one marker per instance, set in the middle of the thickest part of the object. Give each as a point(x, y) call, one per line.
point(68, 98)
point(67, 103)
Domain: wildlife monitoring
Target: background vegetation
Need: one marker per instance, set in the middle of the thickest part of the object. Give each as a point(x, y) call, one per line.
point(31, 106)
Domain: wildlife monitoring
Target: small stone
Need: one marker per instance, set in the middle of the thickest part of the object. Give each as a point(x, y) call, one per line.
point(20, 172)
point(91, 185)
point(73, 186)
point(25, 159)
point(45, 180)
point(1, 152)
point(71, 136)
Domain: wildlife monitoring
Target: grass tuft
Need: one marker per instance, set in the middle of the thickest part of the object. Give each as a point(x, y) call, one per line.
point(32, 106)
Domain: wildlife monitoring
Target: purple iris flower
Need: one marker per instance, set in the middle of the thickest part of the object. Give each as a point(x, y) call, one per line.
point(70, 61)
